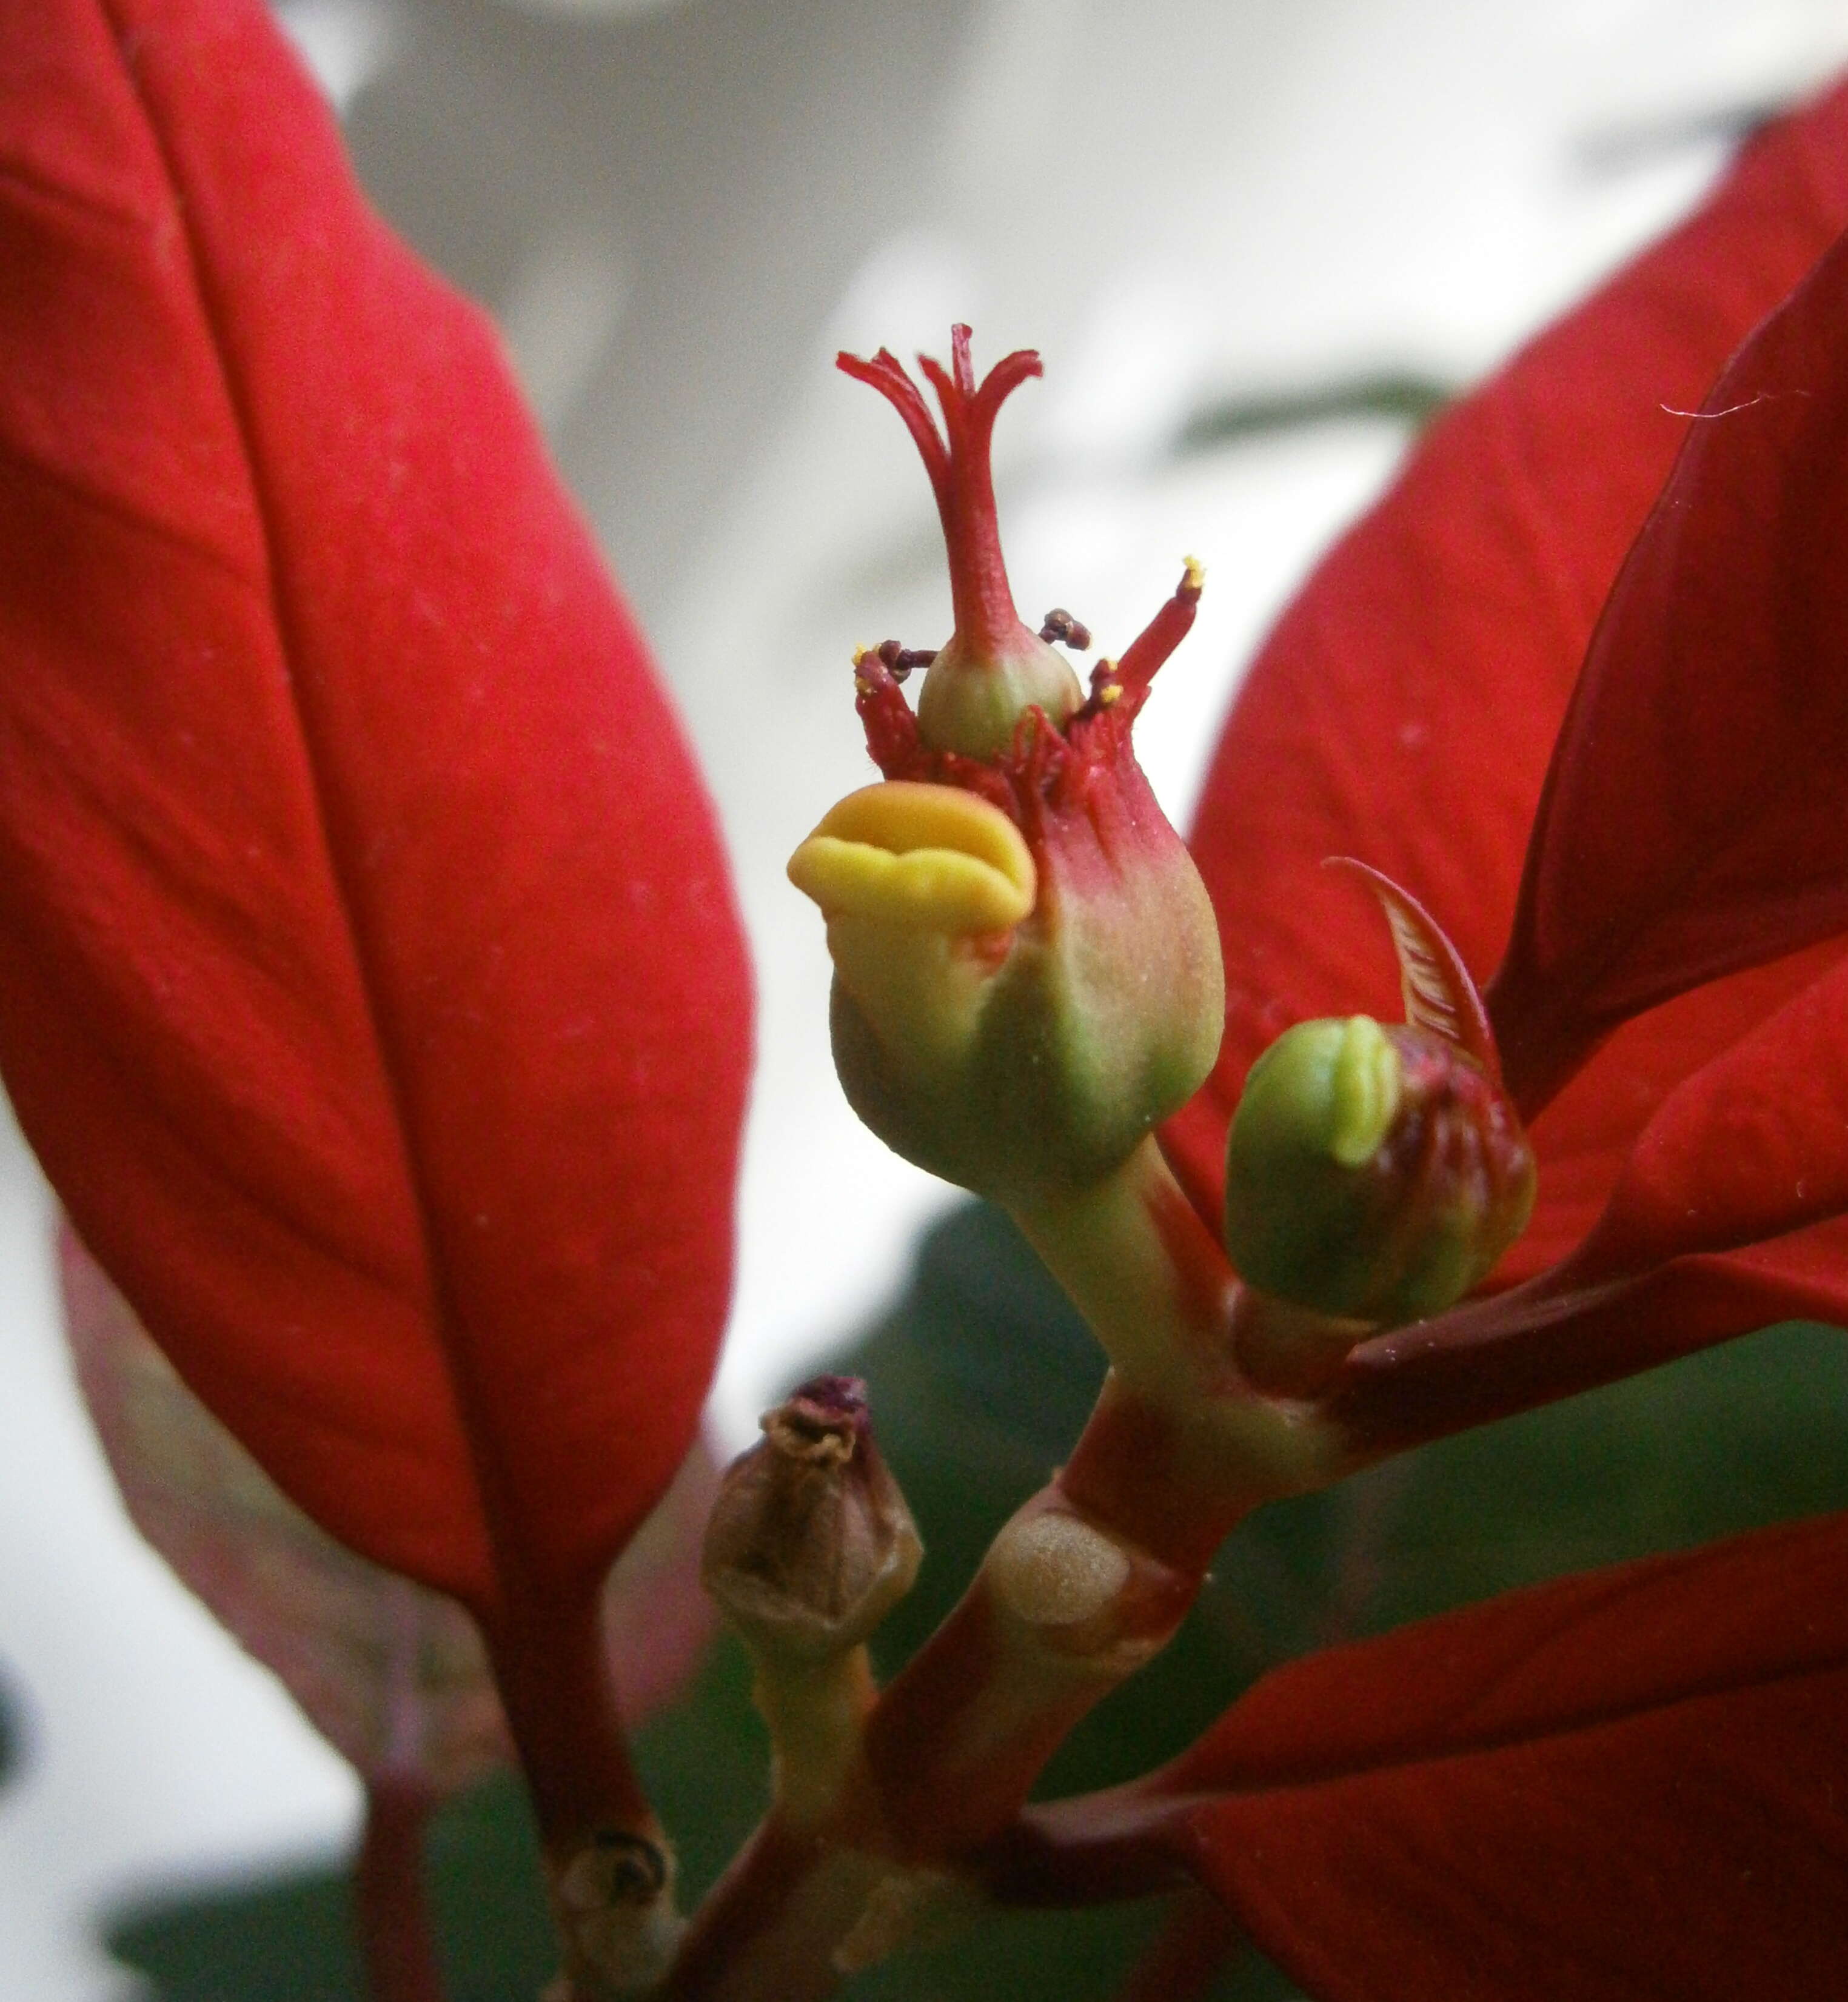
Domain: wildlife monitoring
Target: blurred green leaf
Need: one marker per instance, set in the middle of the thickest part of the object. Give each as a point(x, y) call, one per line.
point(980, 1377)
point(10, 1747)
point(287, 1938)
point(1404, 397)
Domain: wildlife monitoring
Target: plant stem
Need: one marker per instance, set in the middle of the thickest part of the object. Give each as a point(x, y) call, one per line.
point(609, 1867)
point(1150, 1278)
point(1491, 1357)
point(816, 1712)
point(390, 1911)
point(1093, 1575)
point(1087, 1581)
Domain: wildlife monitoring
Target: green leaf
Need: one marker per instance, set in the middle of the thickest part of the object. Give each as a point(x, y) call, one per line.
point(10, 1746)
point(1406, 398)
point(287, 1937)
point(980, 1377)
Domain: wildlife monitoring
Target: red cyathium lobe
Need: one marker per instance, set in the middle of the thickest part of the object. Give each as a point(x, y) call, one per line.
point(1034, 1053)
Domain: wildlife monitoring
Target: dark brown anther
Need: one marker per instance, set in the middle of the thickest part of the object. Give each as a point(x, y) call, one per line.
point(899, 660)
point(810, 1545)
point(1060, 625)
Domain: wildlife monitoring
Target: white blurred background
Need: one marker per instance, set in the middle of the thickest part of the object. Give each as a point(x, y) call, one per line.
point(1207, 214)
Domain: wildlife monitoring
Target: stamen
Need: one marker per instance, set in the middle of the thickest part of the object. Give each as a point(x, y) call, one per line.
point(885, 714)
point(900, 660)
point(1165, 631)
point(1060, 625)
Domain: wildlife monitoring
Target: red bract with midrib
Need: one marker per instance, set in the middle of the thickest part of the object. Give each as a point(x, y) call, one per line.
point(1622, 1785)
point(1691, 821)
point(372, 989)
point(1629, 1783)
point(1406, 707)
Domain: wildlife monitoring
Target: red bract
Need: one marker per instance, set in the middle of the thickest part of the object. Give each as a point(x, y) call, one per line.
point(1404, 712)
point(371, 989)
point(1629, 1783)
point(1691, 823)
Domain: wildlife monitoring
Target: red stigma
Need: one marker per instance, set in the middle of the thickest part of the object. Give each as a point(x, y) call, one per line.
point(957, 461)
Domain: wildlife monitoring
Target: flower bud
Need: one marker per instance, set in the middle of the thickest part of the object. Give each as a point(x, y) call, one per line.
point(1374, 1174)
point(811, 1544)
point(1028, 968)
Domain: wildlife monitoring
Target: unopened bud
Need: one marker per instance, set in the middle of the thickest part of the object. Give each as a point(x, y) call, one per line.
point(811, 1544)
point(1375, 1173)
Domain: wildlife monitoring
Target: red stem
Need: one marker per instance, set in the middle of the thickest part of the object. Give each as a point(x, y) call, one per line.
point(943, 1780)
point(552, 1670)
point(1492, 1358)
point(390, 1911)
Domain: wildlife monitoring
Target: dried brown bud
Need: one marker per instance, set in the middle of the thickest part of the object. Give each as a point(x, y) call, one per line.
point(810, 1545)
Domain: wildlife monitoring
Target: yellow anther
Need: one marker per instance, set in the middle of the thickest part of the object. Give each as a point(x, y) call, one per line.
point(1111, 691)
point(931, 858)
point(860, 654)
point(1193, 575)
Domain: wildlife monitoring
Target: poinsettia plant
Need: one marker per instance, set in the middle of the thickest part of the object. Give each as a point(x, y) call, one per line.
point(374, 998)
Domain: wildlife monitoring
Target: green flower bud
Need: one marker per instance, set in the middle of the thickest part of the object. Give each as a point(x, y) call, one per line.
point(1027, 976)
point(1374, 1174)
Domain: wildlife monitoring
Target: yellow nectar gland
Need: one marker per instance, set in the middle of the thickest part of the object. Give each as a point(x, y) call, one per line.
point(1365, 1081)
point(926, 857)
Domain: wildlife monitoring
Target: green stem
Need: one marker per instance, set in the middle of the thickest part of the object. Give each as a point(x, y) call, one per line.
point(816, 1712)
point(1152, 1281)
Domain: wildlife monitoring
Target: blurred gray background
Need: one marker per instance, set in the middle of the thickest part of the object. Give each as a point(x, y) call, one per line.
point(1253, 239)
